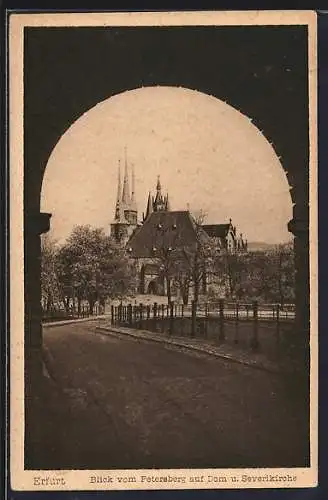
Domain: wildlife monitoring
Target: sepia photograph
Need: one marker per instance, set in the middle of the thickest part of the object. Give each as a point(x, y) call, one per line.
point(163, 224)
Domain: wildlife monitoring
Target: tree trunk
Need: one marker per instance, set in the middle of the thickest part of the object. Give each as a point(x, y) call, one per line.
point(185, 294)
point(49, 303)
point(66, 304)
point(91, 305)
point(196, 289)
point(168, 286)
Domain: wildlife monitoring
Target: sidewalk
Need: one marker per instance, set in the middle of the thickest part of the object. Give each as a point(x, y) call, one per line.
point(203, 346)
point(75, 320)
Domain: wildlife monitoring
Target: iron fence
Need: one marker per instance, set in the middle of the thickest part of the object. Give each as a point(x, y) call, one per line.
point(258, 327)
point(61, 314)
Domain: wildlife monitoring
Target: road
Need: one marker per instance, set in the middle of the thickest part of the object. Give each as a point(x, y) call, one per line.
point(122, 403)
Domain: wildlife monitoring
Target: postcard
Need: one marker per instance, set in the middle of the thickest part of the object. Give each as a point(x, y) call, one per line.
point(163, 250)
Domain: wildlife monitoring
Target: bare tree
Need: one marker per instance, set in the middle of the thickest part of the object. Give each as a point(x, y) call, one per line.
point(200, 256)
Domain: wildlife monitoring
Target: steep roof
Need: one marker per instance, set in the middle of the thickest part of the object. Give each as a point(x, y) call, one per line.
point(163, 230)
point(216, 230)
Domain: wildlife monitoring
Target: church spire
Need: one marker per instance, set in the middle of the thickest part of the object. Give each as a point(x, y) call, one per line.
point(159, 187)
point(119, 214)
point(167, 203)
point(133, 193)
point(149, 208)
point(159, 203)
point(119, 183)
point(126, 190)
point(119, 192)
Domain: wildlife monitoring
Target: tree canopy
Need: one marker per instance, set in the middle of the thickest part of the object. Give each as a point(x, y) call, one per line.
point(90, 266)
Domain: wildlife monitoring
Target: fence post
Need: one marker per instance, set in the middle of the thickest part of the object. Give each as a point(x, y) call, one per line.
point(148, 311)
point(112, 314)
point(255, 339)
point(182, 308)
point(162, 307)
point(237, 324)
point(206, 320)
point(140, 315)
point(171, 318)
point(221, 317)
point(129, 311)
point(155, 316)
point(278, 330)
point(193, 318)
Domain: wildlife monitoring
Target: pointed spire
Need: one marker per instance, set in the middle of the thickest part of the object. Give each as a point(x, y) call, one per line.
point(119, 193)
point(133, 195)
point(126, 190)
point(119, 183)
point(167, 203)
point(158, 187)
point(149, 206)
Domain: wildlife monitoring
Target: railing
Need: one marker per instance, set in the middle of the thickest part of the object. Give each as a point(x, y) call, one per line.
point(258, 327)
point(61, 314)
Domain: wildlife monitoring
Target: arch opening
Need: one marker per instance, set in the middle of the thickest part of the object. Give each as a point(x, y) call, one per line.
point(210, 157)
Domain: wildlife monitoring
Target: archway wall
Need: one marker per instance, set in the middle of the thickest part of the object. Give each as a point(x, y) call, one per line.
point(260, 71)
point(269, 86)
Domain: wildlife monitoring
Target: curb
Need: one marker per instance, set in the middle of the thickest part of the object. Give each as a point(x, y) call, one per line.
point(182, 345)
point(72, 321)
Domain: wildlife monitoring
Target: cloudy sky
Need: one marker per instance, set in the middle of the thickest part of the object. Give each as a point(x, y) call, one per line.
point(208, 154)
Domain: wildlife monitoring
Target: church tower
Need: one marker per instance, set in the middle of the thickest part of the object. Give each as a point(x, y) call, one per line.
point(126, 213)
point(157, 203)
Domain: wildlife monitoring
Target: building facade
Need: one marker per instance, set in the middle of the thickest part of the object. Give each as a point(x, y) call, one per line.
point(161, 244)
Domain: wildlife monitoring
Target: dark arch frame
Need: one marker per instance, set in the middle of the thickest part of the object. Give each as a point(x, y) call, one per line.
point(261, 71)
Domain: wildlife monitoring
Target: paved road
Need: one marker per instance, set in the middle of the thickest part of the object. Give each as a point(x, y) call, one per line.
point(121, 403)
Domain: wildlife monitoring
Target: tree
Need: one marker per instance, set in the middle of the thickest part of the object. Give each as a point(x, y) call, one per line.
point(199, 258)
point(267, 276)
point(93, 267)
point(50, 287)
point(283, 280)
point(168, 257)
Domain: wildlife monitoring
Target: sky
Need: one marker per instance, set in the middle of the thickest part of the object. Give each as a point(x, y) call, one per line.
point(209, 156)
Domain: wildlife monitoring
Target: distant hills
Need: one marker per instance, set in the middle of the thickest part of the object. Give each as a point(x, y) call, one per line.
point(260, 246)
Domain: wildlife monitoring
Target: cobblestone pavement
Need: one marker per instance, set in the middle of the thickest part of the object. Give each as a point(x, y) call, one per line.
point(119, 402)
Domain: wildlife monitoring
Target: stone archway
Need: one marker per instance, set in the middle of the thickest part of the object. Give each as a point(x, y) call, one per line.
point(72, 81)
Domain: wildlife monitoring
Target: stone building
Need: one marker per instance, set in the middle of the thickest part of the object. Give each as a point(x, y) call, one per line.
point(126, 213)
point(163, 235)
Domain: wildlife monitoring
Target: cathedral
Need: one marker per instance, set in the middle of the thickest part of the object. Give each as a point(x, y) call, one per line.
point(126, 212)
point(161, 232)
